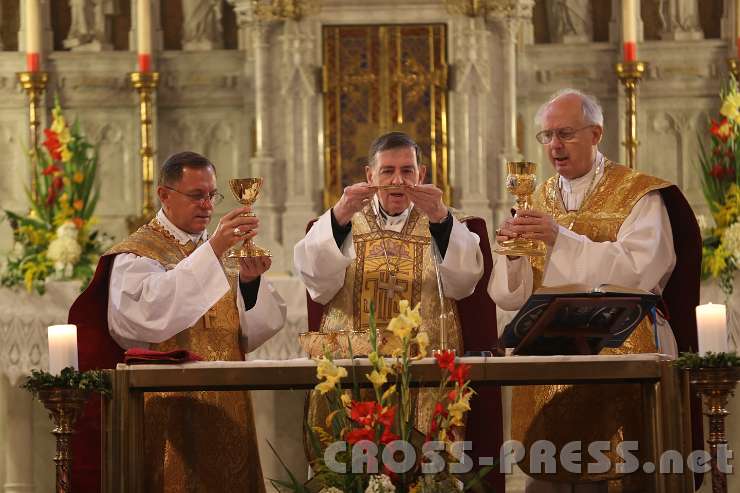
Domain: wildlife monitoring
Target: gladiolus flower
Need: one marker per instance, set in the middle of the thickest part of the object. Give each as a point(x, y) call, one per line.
point(77, 204)
point(717, 171)
point(50, 170)
point(376, 378)
point(78, 222)
point(731, 107)
point(460, 374)
point(446, 360)
point(722, 129)
point(388, 437)
point(360, 434)
point(64, 154)
point(387, 415)
point(364, 412)
point(78, 177)
point(52, 144)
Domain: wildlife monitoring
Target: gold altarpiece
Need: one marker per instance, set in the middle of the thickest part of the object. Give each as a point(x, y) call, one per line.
point(378, 78)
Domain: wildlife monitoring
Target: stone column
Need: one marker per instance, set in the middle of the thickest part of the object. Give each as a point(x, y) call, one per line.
point(509, 18)
point(301, 115)
point(469, 120)
point(19, 450)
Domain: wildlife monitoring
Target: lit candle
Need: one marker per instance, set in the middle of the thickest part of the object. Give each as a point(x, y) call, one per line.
point(711, 320)
point(629, 30)
point(33, 35)
point(144, 34)
point(62, 348)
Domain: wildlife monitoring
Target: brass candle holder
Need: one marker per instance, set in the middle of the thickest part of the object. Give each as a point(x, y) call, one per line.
point(34, 84)
point(716, 386)
point(629, 74)
point(145, 83)
point(65, 405)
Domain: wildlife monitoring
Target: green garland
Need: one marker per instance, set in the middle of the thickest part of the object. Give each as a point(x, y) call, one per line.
point(692, 361)
point(93, 381)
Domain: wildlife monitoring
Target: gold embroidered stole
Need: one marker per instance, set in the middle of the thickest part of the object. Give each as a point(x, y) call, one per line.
point(563, 413)
point(198, 441)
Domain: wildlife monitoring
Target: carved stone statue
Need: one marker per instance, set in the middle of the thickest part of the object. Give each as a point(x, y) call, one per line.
point(570, 21)
point(202, 28)
point(679, 19)
point(90, 25)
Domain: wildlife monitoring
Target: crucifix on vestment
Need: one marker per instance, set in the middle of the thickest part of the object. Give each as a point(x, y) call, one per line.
point(391, 287)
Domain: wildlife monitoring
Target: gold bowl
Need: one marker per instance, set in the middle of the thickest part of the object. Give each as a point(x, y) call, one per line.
point(316, 344)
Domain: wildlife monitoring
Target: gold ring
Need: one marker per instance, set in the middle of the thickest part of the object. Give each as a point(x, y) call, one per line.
point(237, 232)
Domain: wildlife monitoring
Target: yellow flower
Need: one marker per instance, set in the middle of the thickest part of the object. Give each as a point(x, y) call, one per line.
point(716, 262)
point(64, 136)
point(731, 107)
point(78, 177)
point(400, 327)
point(66, 155)
point(326, 369)
point(346, 400)
point(388, 393)
point(457, 410)
point(422, 339)
point(63, 198)
point(58, 124)
point(326, 385)
point(377, 378)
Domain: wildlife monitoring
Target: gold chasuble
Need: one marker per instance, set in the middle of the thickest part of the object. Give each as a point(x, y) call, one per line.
point(587, 413)
point(390, 266)
point(198, 441)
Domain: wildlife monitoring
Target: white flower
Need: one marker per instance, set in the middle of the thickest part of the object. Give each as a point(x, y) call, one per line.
point(731, 240)
point(380, 484)
point(330, 490)
point(705, 223)
point(68, 230)
point(64, 251)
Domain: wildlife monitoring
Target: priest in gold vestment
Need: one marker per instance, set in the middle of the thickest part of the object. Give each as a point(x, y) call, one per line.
point(603, 224)
point(171, 286)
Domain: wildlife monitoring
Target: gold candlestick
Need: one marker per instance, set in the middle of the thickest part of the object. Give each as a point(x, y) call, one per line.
point(65, 406)
point(716, 386)
point(34, 83)
point(629, 74)
point(145, 84)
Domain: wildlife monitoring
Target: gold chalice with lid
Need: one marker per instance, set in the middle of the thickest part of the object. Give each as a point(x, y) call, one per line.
point(521, 179)
point(246, 191)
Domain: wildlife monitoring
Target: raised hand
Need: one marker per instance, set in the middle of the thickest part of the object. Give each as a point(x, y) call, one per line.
point(428, 199)
point(353, 200)
point(232, 228)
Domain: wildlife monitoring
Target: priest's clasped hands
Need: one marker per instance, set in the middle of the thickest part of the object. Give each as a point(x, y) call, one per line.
point(234, 228)
point(426, 197)
point(531, 225)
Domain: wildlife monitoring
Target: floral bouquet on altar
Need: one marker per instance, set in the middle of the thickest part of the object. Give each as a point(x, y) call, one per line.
point(720, 167)
point(55, 240)
point(368, 442)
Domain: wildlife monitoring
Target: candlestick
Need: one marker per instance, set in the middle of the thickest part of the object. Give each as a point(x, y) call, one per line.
point(711, 320)
point(33, 35)
point(629, 30)
point(144, 34)
point(629, 74)
point(62, 348)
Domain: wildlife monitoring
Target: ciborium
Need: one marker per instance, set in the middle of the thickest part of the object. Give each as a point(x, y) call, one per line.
point(520, 181)
point(246, 191)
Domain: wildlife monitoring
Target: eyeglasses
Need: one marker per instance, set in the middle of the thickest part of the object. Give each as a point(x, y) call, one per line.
point(565, 134)
point(214, 197)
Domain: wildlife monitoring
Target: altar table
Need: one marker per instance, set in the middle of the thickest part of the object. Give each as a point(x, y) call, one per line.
point(665, 398)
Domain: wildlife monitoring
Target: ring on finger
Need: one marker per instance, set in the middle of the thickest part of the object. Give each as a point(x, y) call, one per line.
point(238, 232)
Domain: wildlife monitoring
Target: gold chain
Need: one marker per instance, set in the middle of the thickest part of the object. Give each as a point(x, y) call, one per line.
point(589, 190)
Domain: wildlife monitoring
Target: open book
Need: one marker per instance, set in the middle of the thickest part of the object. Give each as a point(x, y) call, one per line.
point(577, 319)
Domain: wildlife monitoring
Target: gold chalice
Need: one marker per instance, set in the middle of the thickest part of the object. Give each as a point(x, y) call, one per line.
point(246, 191)
point(520, 181)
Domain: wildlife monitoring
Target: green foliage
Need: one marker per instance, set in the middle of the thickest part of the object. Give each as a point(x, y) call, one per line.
point(69, 378)
point(693, 361)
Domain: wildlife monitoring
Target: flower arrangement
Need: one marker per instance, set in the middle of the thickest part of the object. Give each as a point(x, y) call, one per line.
point(55, 239)
point(382, 421)
point(720, 167)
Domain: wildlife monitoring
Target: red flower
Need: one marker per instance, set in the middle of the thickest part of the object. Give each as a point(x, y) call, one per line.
point(364, 412)
point(51, 195)
point(52, 144)
point(57, 183)
point(386, 416)
point(439, 410)
point(717, 171)
point(78, 222)
point(446, 360)
point(452, 395)
point(50, 170)
point(388, 436)
point(360, 434)
point(722, 130)
point(460, 375)
point(730, 173)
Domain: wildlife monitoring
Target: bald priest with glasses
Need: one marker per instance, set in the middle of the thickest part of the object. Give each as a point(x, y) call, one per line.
point(172, 286)
point(602, 223)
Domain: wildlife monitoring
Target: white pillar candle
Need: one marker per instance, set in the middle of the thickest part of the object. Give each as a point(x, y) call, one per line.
point(62, 348)
point(33, 34)
point(144, 34)
point(629, 30)
point(711, 320)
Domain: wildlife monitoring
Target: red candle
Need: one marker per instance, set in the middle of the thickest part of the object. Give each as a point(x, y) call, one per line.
point(629, 30)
